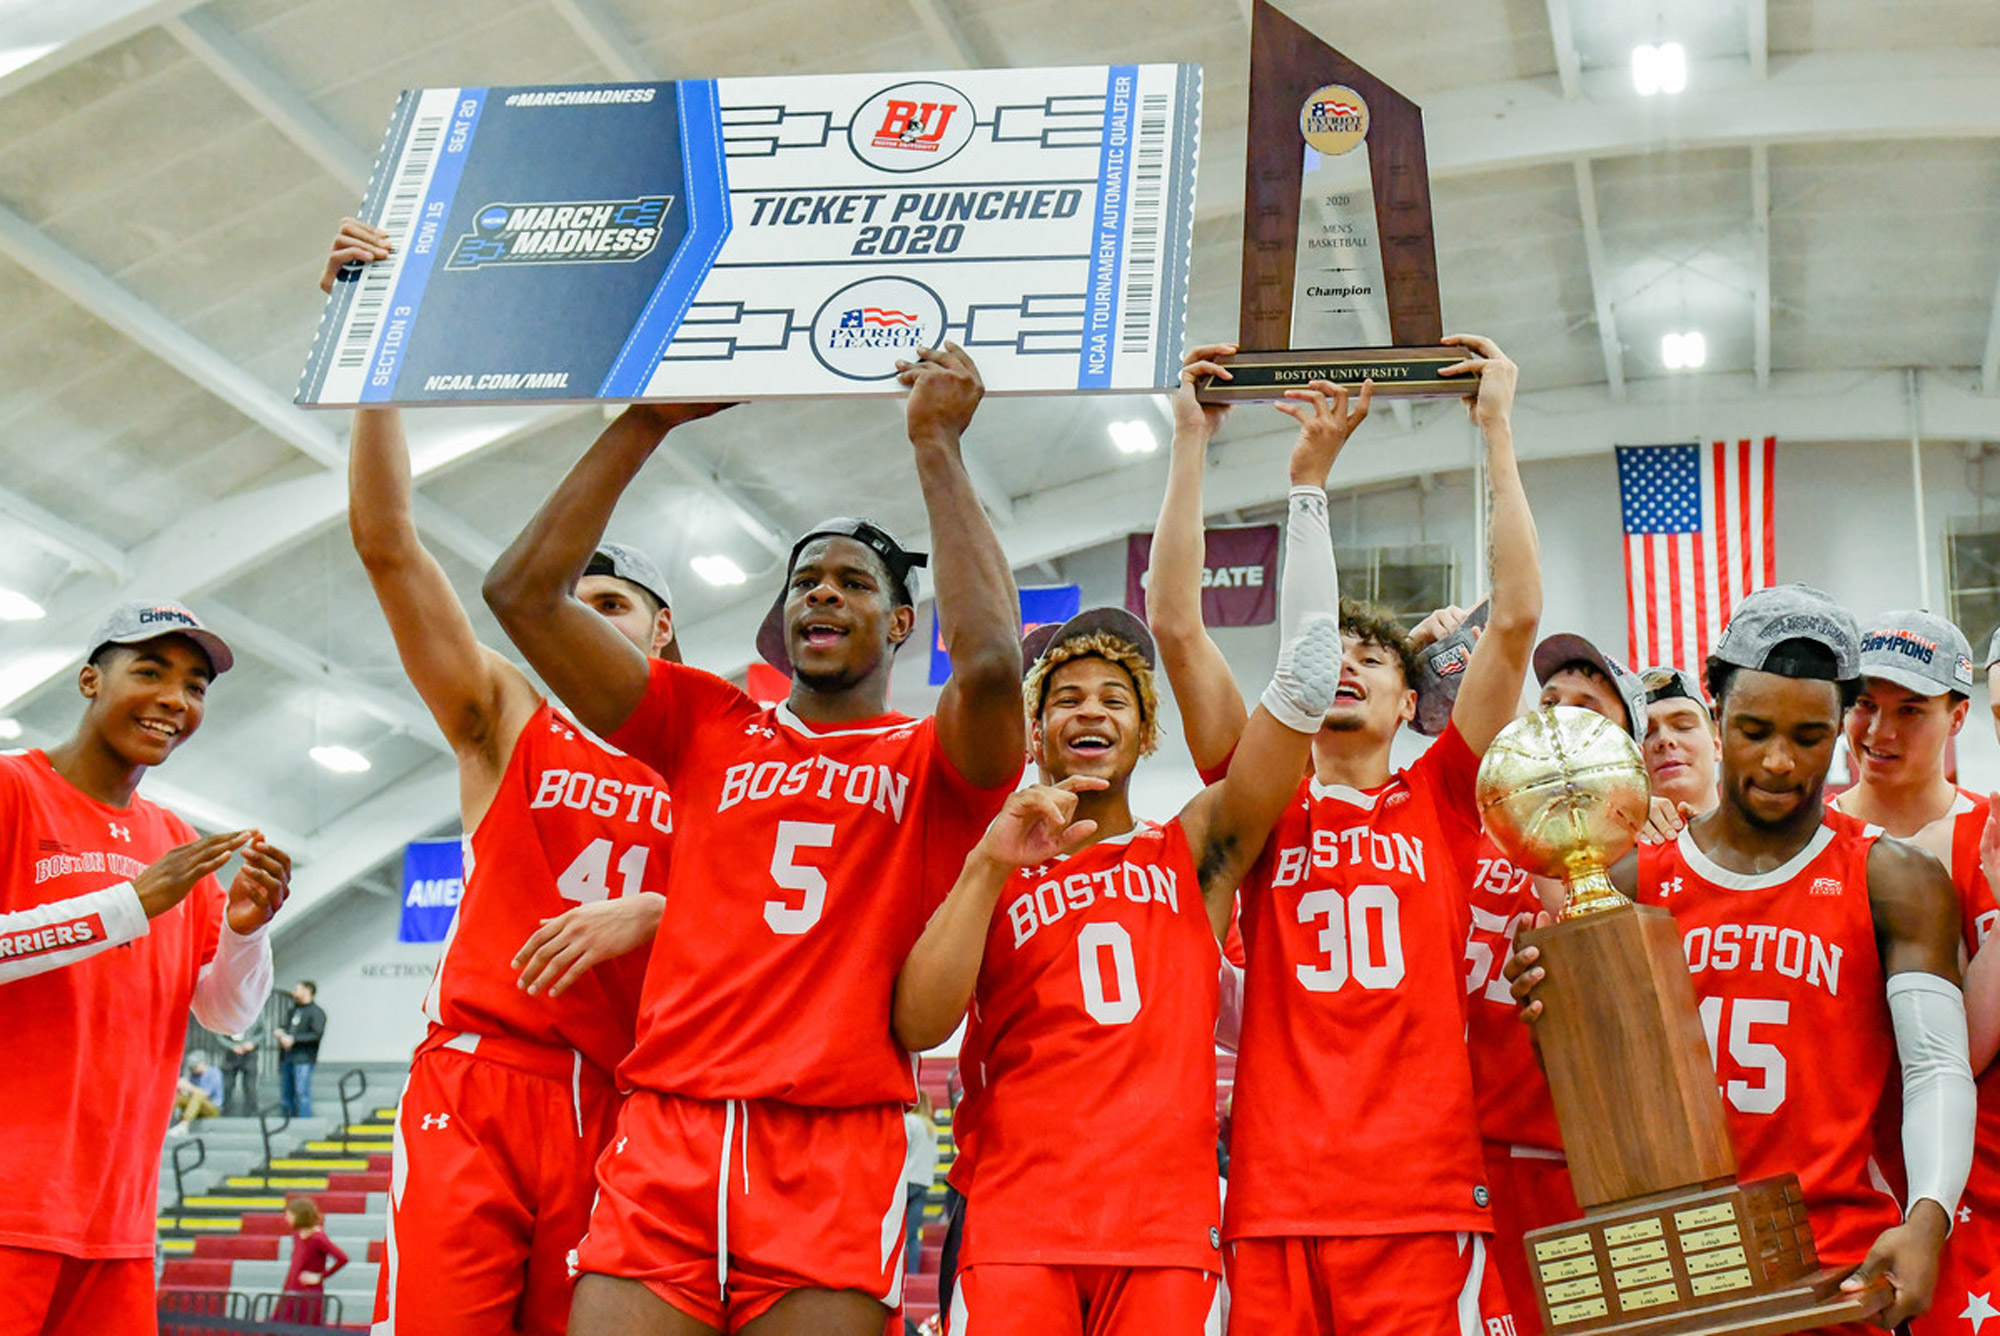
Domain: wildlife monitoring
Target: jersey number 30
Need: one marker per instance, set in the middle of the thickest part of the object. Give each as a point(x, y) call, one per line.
point(1361, 938)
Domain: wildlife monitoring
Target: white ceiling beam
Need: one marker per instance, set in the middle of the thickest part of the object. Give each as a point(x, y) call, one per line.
point(1760, 261)
point(1562, 35)
point(276, 100)
point(377, 829)
point(26, 245)
point(73, 543)
point(945, 29)
point(1600, 280)
point(207, 814)
point(43, 36)
point(1759, 38)
point(448, 530)
point(247, 635)
point(992, 493)
point(756, 521)
point(600, 33)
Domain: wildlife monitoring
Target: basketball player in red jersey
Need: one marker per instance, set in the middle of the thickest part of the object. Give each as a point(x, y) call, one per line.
point(111, 926)
point(755, 1182)
point(1821, 955)
point(1354, 922)
point(512, 1094)
point(1087, 945)
point(1916, 679)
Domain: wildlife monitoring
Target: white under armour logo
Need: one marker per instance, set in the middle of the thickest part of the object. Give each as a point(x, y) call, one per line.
point(1964, 1215)
point(619, 1149)
point(759, 731)
point(1671, 886)
point(432, 1121)
point(119, 832)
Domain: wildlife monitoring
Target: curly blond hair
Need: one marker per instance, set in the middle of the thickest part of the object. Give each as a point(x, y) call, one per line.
point(1112, 649)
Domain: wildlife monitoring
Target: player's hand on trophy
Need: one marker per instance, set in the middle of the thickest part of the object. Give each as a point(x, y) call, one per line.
point(568, 946)
point(1195, 422)
point(1905, 1257)
point(1493, 401)
point(1327, 415)
point(355, 244)
point(1524, 974)
point(945, 389)
point(167, 879)
point(260, 887)
point(1665, 821)
point(1039, 823)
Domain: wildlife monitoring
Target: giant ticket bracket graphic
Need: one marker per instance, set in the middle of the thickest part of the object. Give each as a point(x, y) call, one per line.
point(764, 238)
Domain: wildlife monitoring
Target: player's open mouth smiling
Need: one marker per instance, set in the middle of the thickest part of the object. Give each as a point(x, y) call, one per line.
point(820, 634)
point(1091, 744)
point(160, 728)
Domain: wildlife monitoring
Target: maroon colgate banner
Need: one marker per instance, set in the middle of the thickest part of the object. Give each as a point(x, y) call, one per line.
point(1239, 578)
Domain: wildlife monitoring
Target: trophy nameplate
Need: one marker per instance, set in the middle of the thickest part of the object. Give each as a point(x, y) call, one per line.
point(1671, 1244)
point(1339, 266)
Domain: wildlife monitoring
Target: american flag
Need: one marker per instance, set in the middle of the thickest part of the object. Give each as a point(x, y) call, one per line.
point(1698, 537)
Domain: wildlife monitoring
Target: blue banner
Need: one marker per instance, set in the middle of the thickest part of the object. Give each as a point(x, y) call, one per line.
point(433, 881)
point(1041, 605)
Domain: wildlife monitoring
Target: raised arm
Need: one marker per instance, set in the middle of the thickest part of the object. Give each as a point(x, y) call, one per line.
point(980, 722)
point(598, 673)
point(1489, 696)
point(1211, 706)
point(935, 984)
point(1228, 823)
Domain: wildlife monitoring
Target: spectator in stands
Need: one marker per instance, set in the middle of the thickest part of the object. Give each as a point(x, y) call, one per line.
point(315, 1257)
point(239, 1073)
point(299, 1038)
point(919, 1173)
point(199, 1094)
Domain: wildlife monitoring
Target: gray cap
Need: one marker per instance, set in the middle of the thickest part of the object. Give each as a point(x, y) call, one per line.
point(633, 567)
point(1108, 620)
point(1768, 617)
point(1993, 648)
point(1441, 667)
point(1919, 651)
point(901, 562)
point(1666, 682)
point(1558, 651)
point(136, 623)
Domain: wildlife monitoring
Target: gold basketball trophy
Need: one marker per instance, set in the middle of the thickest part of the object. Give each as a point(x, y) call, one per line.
point(1670, 1243)
point(1338, 260)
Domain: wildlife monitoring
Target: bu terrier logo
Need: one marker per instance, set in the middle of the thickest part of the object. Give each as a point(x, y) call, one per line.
point(119, 832)
point(436, 1121)
point(914, 125)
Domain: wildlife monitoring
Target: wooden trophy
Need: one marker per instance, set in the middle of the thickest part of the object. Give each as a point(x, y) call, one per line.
point(1337, 259)
point(1670, 1243)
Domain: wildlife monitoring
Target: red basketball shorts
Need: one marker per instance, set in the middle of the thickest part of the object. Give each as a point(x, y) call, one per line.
point(1411, 1284)
point(721, 1208)
point(1011, 1299)
point(1966, 1284)
point(1531, 1189)
point(52, 1294)
point(493, 1158)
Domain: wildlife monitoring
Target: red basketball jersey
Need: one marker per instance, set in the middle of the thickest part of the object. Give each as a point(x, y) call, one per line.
point(1507, 1079)
point(1790, 985)
point(1354, 1110)
point(1087, 1131)
point(806, 862)
point(92, 1049)
point(573, 823)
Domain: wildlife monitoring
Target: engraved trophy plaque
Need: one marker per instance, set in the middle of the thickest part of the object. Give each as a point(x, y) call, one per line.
point(1671, 1244)
point(1339, 261)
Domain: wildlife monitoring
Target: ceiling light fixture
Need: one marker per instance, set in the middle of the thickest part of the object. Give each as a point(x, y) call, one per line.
point(340, 760)
point(1659, 69)
point(17, 607)
point(1684, 352)
point(718, 570)
point(1134, 438)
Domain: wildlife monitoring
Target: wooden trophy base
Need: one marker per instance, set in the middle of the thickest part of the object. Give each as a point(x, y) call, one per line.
point(1410, 373)
point(1726, 1261)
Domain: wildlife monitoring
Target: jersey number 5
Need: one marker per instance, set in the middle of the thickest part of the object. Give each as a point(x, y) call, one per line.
point(787, 919)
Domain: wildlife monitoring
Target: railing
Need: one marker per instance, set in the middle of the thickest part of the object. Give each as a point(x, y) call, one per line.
point(267, 1131)
point(347, 1098)
point(183, 1169)
point(190, 1312)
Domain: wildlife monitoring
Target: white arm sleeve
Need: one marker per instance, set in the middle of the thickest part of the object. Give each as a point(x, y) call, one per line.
point(62, 932)
point(1229, 1017)
point(231, 988)
point(1308, 672)
point(1938, 1094)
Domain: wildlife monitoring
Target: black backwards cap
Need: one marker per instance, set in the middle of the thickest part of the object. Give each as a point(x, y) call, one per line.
point(901, 564)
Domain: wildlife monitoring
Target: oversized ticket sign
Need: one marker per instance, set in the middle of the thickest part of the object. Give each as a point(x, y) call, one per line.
point(774, 237)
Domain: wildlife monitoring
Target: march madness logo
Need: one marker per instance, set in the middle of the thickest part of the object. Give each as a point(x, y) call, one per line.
point(911, 126)
point(563, 232)
point(861, 331)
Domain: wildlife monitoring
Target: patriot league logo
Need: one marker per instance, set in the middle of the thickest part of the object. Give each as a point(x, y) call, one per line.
point(1334, 120)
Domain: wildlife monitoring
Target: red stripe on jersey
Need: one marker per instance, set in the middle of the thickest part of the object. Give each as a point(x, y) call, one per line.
point(1355, 922)
point(1790, 985)
point(572, 823)
point(806, 862)
point(1097, 996)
